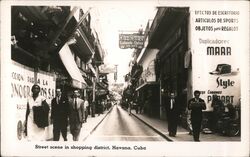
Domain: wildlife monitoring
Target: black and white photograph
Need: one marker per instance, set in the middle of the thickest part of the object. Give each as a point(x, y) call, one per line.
point(124, 78)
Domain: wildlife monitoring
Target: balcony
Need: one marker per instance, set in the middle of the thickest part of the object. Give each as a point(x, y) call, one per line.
point(166, 21)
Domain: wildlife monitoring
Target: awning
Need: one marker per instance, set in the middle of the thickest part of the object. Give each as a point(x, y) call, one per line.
point(69, 63)
point(146, 84)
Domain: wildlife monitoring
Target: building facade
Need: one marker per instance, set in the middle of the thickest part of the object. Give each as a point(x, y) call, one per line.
point(52, 46)
point(173, 62)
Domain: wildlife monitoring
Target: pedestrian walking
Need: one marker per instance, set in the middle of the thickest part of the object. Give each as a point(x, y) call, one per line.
point(139, 104)
point(109, 104)
point(86, 108)
point(196, 105)
point(102, 106)
point(59, 115)
point(36, 118)
point(76, 115)
point(98, 106)
point(129, 107)
point(173, 111)
point(136, 105)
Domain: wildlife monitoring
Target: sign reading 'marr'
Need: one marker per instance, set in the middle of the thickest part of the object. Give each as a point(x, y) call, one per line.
point(131, 41)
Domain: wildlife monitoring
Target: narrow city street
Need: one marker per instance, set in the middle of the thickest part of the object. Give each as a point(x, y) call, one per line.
point(120, 126)
point(70, 71)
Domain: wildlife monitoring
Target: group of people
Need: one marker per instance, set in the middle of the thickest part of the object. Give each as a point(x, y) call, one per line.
point(64, 112)
point(102, 105)
point(196, 105)
point(135, 104)
point(74, 112)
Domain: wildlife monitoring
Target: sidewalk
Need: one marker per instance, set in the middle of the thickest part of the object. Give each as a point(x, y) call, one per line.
point(160, 126)
point(88, 127)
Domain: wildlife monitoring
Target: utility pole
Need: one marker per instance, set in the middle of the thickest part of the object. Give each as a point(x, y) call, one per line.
point(115, 74)
point(94, 97)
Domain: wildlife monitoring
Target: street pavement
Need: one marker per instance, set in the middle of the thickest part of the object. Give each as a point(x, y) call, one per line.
point(117, 125)
point(160, 126)
point(120, 126)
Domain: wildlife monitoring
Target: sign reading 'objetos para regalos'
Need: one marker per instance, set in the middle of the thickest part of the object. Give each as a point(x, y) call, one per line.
point(216, 49)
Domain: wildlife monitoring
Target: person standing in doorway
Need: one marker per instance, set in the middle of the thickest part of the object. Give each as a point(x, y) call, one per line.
point(59, 115)
point(196, 105)
point(76, 115)
point(172, 109)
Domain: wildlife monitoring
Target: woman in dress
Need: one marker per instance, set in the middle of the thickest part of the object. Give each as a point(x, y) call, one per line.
point(36, 116)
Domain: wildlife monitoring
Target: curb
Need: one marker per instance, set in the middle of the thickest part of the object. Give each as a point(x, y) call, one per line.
point(156, 130)
point(98, 124)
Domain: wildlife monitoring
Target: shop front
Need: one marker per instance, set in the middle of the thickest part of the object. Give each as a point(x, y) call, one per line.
point(171, 30)
point(148, 89)
point(183, 65)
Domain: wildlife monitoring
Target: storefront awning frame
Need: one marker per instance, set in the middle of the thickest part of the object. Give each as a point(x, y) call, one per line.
point(69, 63)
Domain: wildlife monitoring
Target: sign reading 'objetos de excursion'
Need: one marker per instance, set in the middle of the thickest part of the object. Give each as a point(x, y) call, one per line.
point(131, 41)
point(217, 62)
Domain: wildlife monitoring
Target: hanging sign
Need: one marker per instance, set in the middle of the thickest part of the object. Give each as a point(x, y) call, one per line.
point(131, 41)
